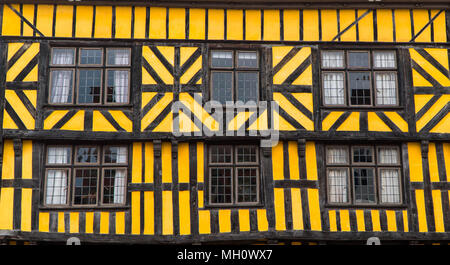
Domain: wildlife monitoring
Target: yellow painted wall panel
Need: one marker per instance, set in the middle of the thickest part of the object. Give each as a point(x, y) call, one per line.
point(235, 24)
point(197, 26)
point(89, 223)
point(61, 223)
point(332, 220)
point(177, 23)
point(183, 162)
point(253, 24)
point(224, 221)
point(123, 22)
point(391, 221)
point(11, 21)
point(74, 222)
point(103, 26)
point(200, 161)
point(136, 173)
point(365, 26)
point(405, 221)
point(244, 220)
point(421, 212)
point(402, 25)
point(347, 17)
point(294, 172)
point(140, 21)
point(120, 223)
point(216, 24)
point(104, 223)
point(8, 160)
point(158, 23)
point(135, 212)
point(149, 213)
point(149, 162)
point(28, 14)
point(167, 213)
point(351, 123)
point(280, 216)
point(360, 222)
point(277, 161)
point(6, 208)
point(84, 20)
point(27, 159)
point(314, 210)
point(44, 221)
point(345, 220)
point(166, 157)
point(271, 31)
point(64, 21)
point(291, 25)
point(297, 209)
point(386, 31)
point(433, 163)
point(262, 220)
point(204, 222)
point(329, 24)
point(439, 26)
point(376, 226)
point(185, 212)
point(437, 209)
point(44, 19)
point(311, 163)
point(26, 209)
point(415, 162)
point(421, 19)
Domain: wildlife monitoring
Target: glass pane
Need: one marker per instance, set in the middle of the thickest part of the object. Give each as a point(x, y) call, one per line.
point(87, 155)
point(390, 187)
point(247, 86)
point(58, 155)
point(358, 60)
point(359, 83)
point(221, 154)
point(388, 155)
point(114, 186)
point(337, 155)
point(222, 85)
point(63, 56)
point(118, 86)
point(386, 88)
point(91, 56)
point(332, 59)
point(363, 179)
point(56, 189)
point(247, 59)
point(247, 154)
point(337, 185)
point(247, 188)
point(118, 56)
point(384, 59)
point(89, 86)
point(116, 155)
point(61, 86)
point(333, 88)
point(362, 155)
point(221, 185)
point(222, 59)
point(85, 186)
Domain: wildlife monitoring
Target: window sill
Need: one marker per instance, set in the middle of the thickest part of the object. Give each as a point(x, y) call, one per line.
point(233, 206)
point(83, 208)
point(382, 108)
point(366, 206)
point(65, 106)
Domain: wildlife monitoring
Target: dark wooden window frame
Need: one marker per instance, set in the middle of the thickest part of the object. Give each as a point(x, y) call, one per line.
point(372, 70)
point(376, 165)
point(72, 166)
point(235, 69)
point(77, 66)
point(233, 165)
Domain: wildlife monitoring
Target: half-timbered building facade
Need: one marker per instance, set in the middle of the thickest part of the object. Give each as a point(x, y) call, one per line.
point(121, 122)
